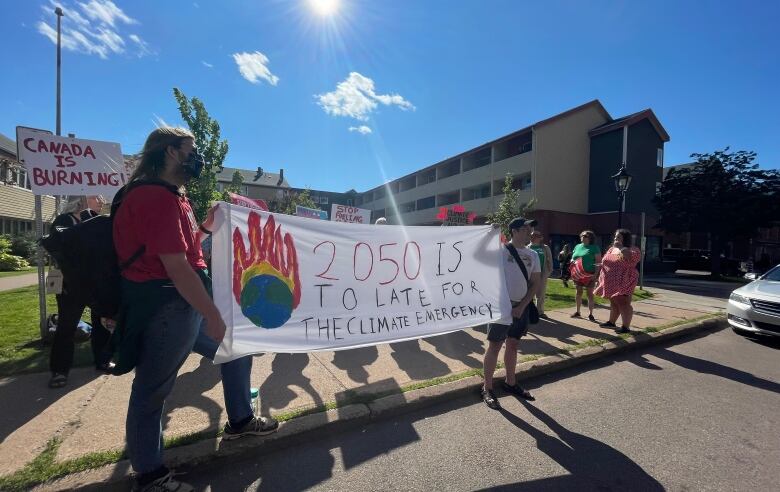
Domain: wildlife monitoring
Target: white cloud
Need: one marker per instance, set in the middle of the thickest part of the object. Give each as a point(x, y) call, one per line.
point(362, 129)
point(143, 46)
point(356, 98)
point(94, 32)
point(253, 67)
point(207, 64)
point(106, 12)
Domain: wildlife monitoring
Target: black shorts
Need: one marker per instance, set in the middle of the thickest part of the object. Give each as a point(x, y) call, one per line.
point(518, 328)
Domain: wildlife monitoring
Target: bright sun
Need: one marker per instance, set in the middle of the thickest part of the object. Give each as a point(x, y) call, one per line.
point(324, 7)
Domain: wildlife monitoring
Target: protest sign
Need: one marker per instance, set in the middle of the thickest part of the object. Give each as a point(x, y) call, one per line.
point(71, 166)
point(286, 284)
point(311, 213)
point(455, 216)
point(345, 213)
point(245, 201)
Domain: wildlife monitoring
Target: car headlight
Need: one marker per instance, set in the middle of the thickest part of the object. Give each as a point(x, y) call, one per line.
point(740, 299)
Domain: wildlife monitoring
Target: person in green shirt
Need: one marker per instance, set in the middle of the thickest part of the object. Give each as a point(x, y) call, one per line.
point(545, 260)
point(591, 260)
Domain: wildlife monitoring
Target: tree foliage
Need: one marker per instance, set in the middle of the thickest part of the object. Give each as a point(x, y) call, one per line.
point(723, 194)
point(510, 207)
point(287, 204)
point(203, 190)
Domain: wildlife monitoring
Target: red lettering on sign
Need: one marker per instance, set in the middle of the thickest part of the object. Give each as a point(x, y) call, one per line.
point(332, 257)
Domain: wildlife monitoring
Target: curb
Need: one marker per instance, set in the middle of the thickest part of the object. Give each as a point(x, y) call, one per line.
point(115, 477)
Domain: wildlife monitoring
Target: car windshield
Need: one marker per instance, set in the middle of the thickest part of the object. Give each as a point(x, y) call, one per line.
point(773, 274)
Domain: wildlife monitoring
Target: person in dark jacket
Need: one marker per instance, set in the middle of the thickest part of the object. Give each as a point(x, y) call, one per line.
point(70, 307)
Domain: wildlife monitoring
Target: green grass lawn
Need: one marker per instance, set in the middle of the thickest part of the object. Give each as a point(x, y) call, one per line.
point(21, 349)
point(559, 297)
point(20, 272)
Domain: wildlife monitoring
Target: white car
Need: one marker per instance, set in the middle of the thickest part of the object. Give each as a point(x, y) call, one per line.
point(754, 309)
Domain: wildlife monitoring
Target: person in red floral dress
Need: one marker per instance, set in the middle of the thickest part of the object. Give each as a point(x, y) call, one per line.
point(618, 278)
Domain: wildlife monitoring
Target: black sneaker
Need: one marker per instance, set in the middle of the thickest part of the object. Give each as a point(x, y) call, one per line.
point(105, 368)
point(517, 390)
point(58, 380)
point(258, 426)
point(608, 324)
point(591, 318)
point(490, 399)
point(166, 483)
point(622, 329)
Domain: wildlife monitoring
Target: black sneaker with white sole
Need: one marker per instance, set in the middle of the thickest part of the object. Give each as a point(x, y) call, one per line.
point(258, 426)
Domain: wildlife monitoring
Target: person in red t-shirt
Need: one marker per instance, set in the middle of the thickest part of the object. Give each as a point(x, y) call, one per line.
point(165, 299)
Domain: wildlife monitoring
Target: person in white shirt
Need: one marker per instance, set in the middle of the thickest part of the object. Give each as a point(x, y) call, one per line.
point(521, 292)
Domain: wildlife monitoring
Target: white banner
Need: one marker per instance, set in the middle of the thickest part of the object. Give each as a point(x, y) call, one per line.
point(290, 284)
point(70, 166)
point(345, 213)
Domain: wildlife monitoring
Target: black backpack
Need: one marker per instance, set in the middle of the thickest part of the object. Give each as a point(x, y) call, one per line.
point(86, 256)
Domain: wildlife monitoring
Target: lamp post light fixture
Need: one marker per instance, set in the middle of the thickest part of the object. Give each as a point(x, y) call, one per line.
point(622, 182)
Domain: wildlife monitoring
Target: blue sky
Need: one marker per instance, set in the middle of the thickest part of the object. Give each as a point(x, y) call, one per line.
point(297, 90)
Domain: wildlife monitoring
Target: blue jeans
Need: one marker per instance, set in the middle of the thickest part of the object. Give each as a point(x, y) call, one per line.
point(235, 378)
point(165, 345)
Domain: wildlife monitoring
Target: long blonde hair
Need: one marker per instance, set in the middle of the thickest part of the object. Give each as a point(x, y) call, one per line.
point(153, 153)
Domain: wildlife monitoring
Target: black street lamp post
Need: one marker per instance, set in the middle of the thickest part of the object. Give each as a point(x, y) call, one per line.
point(622, 182)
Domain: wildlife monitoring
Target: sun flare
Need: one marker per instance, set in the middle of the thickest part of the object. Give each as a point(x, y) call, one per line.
point(324, 7)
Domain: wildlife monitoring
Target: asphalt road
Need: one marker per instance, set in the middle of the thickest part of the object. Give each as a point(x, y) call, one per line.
point(699, 414)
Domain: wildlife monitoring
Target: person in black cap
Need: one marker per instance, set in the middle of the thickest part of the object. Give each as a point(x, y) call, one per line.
point(521, 283)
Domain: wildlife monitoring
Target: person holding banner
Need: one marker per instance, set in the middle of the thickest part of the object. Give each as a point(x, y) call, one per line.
point(70, 307)
point(165, 297)
point(522, 273)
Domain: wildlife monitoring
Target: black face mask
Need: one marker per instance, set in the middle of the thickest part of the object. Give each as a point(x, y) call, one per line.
point(194, 164)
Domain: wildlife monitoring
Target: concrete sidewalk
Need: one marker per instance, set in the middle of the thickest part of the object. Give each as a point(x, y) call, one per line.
point(18, 281)
point(89, 414)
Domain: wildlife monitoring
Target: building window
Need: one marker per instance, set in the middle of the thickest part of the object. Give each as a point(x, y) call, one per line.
point(658, 188)
point(522, 182)
point(407, 183)
point(380, 193)
point(476, 192)
point(350, 202)
point(659, 158)
point(425, 203)
point(451, 168)
point(407, 207)
point(324, 200)
point(426, 177)
point(478, 159)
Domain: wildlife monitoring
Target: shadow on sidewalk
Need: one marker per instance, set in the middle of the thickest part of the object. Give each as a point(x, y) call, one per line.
point(589, 461)
point(30, 395)
point(286, 372)
point(189, 392)
point(459, 345)
point(418, 364)
point(354, 362)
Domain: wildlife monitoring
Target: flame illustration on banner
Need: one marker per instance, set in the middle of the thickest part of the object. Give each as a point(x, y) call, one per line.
point(266, 281)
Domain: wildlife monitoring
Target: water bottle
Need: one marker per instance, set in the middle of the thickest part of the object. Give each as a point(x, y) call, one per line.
point(254, 395)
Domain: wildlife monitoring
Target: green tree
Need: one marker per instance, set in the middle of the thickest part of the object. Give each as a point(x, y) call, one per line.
point(203, 190)
point(722, 194)
point(290, 200)
point(236, 183)
point(510, 207)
